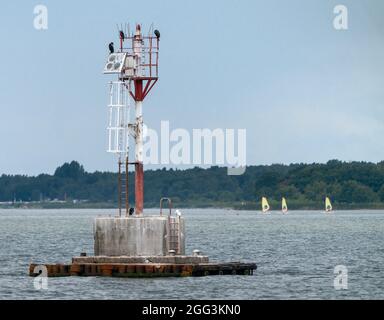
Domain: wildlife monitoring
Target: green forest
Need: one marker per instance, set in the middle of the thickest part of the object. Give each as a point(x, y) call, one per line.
point(351, 185)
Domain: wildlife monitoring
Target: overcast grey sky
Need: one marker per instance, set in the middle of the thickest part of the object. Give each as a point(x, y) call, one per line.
point(304, 91)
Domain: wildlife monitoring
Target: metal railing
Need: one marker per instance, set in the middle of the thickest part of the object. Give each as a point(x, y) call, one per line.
point(169, 205)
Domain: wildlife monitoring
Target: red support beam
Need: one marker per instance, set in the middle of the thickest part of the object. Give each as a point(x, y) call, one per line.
point(139, 92)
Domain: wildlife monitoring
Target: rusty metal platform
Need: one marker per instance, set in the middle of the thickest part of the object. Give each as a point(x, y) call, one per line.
point(137, 270)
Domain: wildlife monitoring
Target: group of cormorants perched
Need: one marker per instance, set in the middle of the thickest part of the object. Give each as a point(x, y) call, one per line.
point(122, 37)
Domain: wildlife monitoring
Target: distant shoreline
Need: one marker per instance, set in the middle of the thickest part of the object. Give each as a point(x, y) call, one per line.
point(275, 206)
point(348, 185)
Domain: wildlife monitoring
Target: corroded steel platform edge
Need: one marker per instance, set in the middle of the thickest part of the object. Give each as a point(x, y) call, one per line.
point(145, 270)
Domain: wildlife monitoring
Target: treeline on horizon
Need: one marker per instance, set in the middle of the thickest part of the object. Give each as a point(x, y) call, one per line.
point(348, 184)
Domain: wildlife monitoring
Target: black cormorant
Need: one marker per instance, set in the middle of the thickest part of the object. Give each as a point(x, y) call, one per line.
point(111, 49)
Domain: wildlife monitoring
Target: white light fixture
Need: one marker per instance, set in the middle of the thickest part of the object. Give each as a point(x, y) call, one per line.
point(115, 63)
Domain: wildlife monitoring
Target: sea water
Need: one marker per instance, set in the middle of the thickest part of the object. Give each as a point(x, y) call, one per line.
point(296, 255)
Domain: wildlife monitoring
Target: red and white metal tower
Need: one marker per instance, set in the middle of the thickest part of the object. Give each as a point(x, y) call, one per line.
point(136, 64)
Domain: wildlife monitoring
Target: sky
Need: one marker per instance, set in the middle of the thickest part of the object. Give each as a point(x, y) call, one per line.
point(304, 91)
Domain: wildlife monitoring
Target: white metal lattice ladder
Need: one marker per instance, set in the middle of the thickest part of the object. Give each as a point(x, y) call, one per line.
point(118, 137)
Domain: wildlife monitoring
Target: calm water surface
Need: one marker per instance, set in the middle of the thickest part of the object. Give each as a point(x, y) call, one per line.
point(295, 253)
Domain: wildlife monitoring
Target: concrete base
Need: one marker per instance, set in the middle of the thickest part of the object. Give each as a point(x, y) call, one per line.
point(138, 236)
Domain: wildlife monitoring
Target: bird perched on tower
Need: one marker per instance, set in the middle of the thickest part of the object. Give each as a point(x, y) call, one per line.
point(111, 48)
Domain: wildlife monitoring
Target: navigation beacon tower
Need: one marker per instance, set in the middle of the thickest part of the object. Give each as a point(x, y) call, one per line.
point(136, 63)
